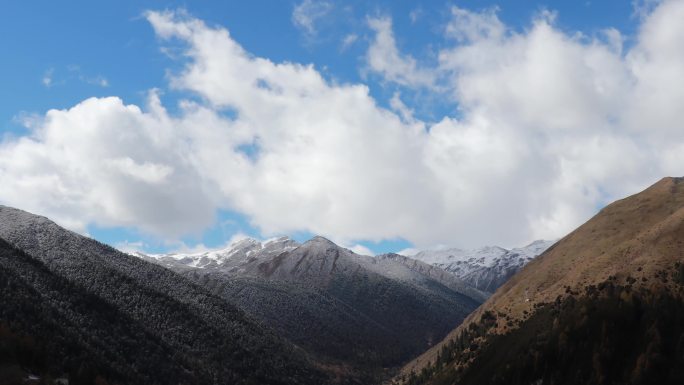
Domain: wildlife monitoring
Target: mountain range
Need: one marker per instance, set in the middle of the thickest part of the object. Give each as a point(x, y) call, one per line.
point(358, 315)
point(274, 312)
point(603, 305)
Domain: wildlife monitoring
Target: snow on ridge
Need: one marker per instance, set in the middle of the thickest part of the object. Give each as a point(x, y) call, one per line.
point(486, 266)
point(485, 256)
point(483, 269)
point(239, 249)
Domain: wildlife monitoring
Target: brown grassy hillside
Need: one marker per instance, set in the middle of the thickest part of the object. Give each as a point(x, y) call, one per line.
point(633, 243)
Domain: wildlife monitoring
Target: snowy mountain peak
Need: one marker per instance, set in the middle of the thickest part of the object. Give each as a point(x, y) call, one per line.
point(533, 249)
point(319, 240)
point(538, 242)
point(236, 254)
point(246, 242)
point(280, 241)
point(485, 268)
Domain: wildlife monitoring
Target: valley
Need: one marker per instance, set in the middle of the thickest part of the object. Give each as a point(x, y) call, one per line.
point(276, 312)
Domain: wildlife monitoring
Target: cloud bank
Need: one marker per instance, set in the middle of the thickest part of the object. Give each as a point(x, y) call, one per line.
point(546, 127)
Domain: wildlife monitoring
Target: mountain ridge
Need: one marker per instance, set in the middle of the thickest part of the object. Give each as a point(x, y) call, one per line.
point(485, 268)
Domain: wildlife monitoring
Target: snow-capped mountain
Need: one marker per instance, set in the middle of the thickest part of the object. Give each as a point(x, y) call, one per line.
point(486, 268)
point(233, 258)
point(347, 309)
point(251, 258)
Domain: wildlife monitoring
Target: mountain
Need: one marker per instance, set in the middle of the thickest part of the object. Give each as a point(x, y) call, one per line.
point(359, 316)
point(486, 268)
point(604, 305)
point(235, 258)
point(73, 307)
point(395, 266)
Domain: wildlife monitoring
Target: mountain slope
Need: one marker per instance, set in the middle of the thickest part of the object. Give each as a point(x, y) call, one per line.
point(486, 268)
point(605, 305)
point(355, 313)
point(91, 310)
point(423, 273)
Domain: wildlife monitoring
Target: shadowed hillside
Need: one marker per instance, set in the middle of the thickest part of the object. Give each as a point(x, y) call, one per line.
point(73, 307)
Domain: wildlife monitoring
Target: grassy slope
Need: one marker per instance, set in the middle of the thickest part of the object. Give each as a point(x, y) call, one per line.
point(639, 237)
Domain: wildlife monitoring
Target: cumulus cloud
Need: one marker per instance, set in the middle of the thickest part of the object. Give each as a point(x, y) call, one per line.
point(590, 121)
point(110, 164)
point(550, 126)
point(384, 58)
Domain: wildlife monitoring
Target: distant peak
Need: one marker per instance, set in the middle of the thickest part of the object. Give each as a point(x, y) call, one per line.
point(538, 242)
point(320, 240)
point(284, 240)
point(244, 242)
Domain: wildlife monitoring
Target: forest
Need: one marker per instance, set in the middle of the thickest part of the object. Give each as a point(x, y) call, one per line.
point(611, 333)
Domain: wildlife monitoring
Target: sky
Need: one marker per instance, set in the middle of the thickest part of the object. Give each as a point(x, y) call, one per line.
point(166, 126)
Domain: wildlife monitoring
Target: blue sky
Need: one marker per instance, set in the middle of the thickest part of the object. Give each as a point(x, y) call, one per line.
point(58, 54)
point(112, 40)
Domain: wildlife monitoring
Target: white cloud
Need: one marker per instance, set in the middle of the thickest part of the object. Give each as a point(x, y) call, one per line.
point(111, 164)
point(147, 172)
point(400, 108)
point(384, 57)
point(74, 72)
point(308, 12)
point(47, 77)
point(348, 41)
point(576, 113)
point(643, 8)
point(361, 250)
point(180, 247)
point(416, 14)
point(467, 26)
point(550, 126)
point(130, 247)
point(409, 252)
point(100, 81)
